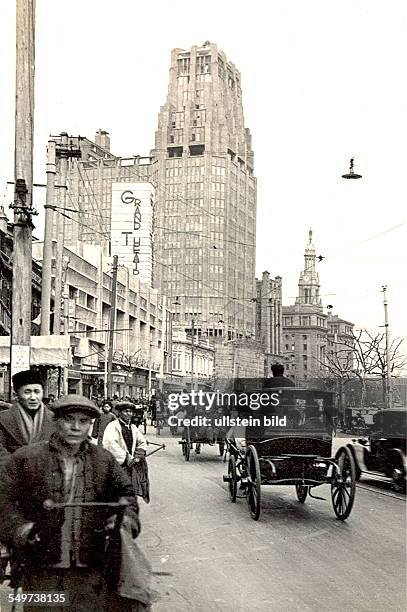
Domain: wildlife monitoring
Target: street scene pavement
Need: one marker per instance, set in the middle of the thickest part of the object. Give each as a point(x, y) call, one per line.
point(207, 554)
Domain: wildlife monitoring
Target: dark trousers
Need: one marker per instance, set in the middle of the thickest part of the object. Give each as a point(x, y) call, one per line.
point(82, 586)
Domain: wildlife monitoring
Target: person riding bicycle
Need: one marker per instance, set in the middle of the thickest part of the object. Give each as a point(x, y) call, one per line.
point(64, 550)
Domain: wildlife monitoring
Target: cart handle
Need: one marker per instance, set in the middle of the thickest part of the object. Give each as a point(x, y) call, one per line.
point(160, 446)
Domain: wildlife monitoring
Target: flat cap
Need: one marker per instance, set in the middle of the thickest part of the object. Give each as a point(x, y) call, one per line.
point(26, 377)
point(124, 404)
point(68, 403)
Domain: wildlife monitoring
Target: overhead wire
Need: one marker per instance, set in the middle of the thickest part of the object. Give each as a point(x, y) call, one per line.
point(191, 203)
point(94, 203)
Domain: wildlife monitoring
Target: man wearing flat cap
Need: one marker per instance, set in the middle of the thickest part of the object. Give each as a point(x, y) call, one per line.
point(128, 446)
point(65, 547)
point(28, 420)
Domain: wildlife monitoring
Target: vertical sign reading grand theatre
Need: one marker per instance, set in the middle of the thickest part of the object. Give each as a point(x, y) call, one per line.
point(132, 228)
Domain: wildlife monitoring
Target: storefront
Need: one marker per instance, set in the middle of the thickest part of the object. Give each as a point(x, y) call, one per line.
point(48, 353)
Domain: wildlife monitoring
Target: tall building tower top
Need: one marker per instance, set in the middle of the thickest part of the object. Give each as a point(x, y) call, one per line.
point(203, 111)
point(205, 207)
point(308, 285)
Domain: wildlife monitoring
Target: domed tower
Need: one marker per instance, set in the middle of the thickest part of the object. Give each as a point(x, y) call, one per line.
point(308, 284)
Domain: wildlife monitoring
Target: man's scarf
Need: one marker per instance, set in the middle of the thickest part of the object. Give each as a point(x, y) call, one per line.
point(30, 427)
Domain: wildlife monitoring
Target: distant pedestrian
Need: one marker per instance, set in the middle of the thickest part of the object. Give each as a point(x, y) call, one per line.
point(100, 424)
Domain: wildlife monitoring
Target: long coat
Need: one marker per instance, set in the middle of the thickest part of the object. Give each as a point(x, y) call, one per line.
point(11, 436)
point(114, 442)
point(35, 473)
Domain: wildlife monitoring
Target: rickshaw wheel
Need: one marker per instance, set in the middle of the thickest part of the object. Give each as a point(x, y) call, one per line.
point(253, 482)
point(221, 448)
point(343, 488)
point(302, 492)
point(232, 473)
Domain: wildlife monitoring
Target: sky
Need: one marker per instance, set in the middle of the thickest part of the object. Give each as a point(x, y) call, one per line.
point(322, 82)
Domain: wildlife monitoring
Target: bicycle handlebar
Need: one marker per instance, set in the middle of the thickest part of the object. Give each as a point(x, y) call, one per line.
point(49, 504)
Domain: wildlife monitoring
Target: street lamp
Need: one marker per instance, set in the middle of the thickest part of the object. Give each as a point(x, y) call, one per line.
point(351, 174)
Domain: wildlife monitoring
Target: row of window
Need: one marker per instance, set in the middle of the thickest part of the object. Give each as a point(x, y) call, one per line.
point(198, 135)
point(202, 65)
point(183, 361)
point(194, 150)
point(304, 321)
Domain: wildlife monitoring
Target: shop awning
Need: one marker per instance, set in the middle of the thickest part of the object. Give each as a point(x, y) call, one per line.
point(45, 350)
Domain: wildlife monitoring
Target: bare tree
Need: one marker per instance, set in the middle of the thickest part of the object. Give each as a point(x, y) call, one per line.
point(339, 366)
point(368, 356)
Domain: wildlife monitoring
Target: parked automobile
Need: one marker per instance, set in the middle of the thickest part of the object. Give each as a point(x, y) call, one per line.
point(383, 450)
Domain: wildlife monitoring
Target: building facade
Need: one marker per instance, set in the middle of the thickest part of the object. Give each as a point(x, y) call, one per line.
point(340, 342)
point(46, 353)
point(269, 318)
point(142, 344)
point(202, 360)
point(239, 359)
point(309, 334)
point(205, 231)
point(89, 188)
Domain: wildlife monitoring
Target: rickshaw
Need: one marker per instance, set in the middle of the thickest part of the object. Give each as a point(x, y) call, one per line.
point(201, 434)
point(292, 446)
point(383, 451)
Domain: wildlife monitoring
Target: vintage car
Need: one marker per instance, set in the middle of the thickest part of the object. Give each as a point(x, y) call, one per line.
point(383, 451)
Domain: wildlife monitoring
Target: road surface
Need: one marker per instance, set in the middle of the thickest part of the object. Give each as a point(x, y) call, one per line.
point(295, 558)
point(208, 555)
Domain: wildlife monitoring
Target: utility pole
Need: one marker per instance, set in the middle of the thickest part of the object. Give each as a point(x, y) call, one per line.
point(105, 386)
point(60, 235)
point(65, 265)
point(389, 387)
point(112, 326)
point(149, 374)
point(20, 341)
point(47, 249)
point(65, 150)
point(192, 354)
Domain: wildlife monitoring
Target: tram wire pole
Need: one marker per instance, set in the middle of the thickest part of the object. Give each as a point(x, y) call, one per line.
point(112, 326)
point(60, 236)
point(20, 341)
point(389, 386)
point(65, 150)
point(47, 247)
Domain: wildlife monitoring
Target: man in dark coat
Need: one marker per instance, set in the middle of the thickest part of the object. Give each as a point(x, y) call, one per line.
point(100, 424)
point(28, 420)
point(64, 549)
point(278, 380)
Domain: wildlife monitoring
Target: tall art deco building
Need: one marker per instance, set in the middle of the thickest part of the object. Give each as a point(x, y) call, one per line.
point(205, 200)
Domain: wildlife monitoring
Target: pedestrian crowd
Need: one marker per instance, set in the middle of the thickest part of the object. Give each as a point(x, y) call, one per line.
point(71, 472)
